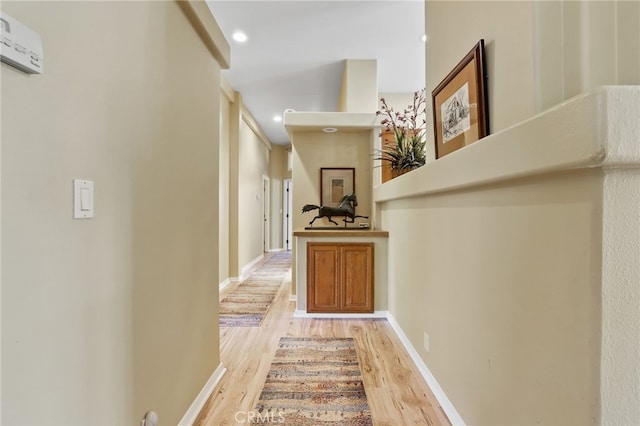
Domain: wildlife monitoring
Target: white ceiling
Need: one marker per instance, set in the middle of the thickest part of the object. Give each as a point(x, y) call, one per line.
point(294, 55)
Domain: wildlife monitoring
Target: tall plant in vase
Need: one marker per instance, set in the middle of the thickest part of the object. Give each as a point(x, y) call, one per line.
point(407, 149)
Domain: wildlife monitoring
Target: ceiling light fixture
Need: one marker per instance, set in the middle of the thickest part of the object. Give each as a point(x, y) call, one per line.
point(277, 118)
point(240, 36)
point(329, 130)
point(423, 38)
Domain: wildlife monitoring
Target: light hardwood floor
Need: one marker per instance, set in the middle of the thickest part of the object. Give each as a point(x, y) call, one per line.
point(396, 392)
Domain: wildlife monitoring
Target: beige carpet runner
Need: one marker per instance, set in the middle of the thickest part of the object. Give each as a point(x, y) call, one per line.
point(249, 302)
point(314, 381)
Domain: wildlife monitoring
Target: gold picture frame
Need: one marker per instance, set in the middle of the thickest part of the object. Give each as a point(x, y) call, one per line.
point(460, 104)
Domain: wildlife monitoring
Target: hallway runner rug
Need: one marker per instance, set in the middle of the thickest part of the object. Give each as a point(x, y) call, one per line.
point(314, 381)
point(248, 303)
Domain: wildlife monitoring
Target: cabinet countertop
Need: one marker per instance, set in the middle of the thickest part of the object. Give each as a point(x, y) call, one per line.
point(367, 233)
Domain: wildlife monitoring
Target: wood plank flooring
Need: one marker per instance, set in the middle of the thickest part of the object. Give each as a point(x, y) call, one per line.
point(396, 393)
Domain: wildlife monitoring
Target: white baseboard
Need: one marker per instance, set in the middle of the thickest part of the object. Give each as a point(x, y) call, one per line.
point(305, 314)
point(192, 413)
point(248, 268)
point(446, 405)
point(226, 282)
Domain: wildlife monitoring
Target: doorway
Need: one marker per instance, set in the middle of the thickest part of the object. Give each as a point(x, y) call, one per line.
point(287, 217)
point(265, 213)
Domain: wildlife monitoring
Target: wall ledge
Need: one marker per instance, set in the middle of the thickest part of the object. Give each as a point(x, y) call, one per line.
point(583, 132)
point(306, 121)
point(340, 233)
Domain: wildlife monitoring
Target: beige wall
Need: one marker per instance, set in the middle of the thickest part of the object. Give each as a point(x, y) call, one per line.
point(600, 46)
point(104, 319)
point(235, 120)
point(504, 281)
point(359, 91)
point(223, 240)
point(248, 156)
point(278, 173)
point(252, 166)
point(314, 150)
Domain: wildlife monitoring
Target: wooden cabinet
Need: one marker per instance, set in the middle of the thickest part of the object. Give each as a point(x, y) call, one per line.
point(340, 277)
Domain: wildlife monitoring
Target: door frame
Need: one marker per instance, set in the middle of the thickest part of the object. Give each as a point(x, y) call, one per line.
point(287, 213)
point(266, 196)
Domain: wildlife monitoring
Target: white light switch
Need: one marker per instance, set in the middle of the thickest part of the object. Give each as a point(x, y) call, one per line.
point(82, 199)
point(86, 202)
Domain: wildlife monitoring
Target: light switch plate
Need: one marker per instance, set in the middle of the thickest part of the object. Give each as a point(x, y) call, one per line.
point(82, 199)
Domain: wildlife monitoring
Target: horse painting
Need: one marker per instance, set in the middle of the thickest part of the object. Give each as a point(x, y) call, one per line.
point(345, 208)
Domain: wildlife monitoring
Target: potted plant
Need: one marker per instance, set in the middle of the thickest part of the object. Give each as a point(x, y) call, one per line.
point(405, 150)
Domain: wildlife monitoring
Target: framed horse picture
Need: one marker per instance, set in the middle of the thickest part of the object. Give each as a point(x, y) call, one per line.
point(335, 184)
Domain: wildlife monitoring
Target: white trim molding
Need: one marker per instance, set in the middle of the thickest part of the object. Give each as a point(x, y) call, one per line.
point(445, 403)
point(304, 314)
point(227, 282)
point(196, 406)
point(249, 268)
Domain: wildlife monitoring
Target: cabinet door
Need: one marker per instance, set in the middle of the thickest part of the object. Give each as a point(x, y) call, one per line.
point(323, 278)
point(357, 278)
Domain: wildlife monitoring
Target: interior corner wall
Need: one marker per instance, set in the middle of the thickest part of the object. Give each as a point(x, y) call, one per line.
point(506, 28)
point(104, 319)
point(359, 90)
point(224, 164)
point(342, 97)
point(600, 45)
point(235, 121)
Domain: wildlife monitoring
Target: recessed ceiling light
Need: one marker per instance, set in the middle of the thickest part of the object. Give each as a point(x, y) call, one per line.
point(329, 130)
point(277, 118)
point(239, 36)
point(423, 38)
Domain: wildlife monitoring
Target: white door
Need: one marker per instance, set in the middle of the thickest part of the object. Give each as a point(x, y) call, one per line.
point(265, 213)
point(287, 225)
